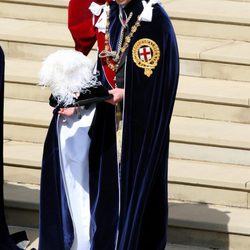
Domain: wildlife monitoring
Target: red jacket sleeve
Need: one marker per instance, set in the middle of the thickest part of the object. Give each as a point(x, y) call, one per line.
point(80, 24)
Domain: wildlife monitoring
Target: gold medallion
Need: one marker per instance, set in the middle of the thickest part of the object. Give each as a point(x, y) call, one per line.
point(146, 54)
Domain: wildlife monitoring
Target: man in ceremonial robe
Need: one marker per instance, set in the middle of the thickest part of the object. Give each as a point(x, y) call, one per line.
point(148, 68)
point(140, 48)
point(57, 218)
point(146, 65)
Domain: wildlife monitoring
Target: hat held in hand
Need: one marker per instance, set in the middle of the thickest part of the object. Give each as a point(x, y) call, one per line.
point(69, 74)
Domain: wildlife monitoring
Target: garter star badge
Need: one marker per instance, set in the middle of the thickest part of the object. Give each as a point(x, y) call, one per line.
point(146, 54)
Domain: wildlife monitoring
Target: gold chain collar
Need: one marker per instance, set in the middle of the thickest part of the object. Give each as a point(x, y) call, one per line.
point(117, 55)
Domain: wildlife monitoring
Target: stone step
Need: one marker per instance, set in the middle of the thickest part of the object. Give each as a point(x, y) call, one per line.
point(195, 181)
point(33, 234)
point(203, 57)
point(219, 22)
point(32, 124)
point(185, 247)
point(190, 101)
point(26, 92)
point(213, 58)
point(22, 174)
point(26, 120)
point(22, 155)
point(213, 99)
point(21, 204)
point(216, 227)
point(22, 71)
point(196, 97)
point(33, 39)
point(210, 183)
point(21, 77)
point(201, 152)
point(211, 133)
point(29, 113)
point(211, 18)
point(239, 0)
point(21, 188)
point(41, 10)
point(189, 223)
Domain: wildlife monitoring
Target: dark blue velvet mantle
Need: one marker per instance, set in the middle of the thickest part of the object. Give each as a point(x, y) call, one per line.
point(56, 230)
point(147, 112)
point(5, 240)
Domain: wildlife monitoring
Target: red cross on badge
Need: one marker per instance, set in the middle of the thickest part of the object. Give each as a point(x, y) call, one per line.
point(145, 53)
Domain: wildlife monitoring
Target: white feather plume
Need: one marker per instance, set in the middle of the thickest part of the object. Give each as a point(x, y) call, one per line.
point(67, 72)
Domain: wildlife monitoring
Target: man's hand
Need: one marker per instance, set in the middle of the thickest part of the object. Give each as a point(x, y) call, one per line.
point(118, 95)
point(67, 111)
